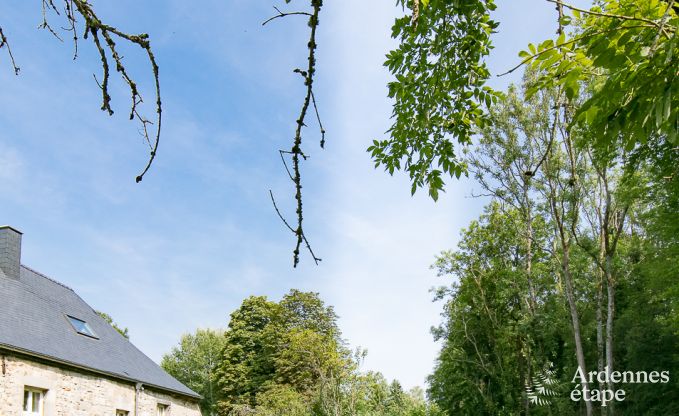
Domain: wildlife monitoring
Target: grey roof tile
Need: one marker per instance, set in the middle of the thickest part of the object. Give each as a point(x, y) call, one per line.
point(33, 319)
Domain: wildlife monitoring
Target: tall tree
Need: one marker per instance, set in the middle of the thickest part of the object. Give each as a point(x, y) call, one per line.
point(194, 362)
point(293, 343)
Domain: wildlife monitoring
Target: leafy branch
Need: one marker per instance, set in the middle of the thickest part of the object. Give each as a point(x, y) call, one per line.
point(296, 153)
point(561, 42)
point(603, 14)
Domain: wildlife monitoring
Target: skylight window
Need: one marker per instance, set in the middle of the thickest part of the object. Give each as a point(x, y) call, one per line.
point(81, 327)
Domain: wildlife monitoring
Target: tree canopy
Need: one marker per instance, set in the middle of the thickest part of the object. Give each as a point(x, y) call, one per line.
point(562, 271)
point(194, 362)
point(286, 358)
point(622, 51)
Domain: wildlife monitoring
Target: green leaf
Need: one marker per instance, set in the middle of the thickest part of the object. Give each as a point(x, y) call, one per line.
point(562, 39)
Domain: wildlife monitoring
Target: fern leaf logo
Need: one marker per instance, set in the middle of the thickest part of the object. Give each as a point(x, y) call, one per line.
point(541, 389)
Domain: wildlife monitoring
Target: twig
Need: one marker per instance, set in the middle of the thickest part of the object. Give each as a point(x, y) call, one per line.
point(273, 201)
point(609, 15)
point(663, 21)
point(286, 164)
point(45, 25)
point(577, 39)
point(71, 22)
point(281, 14)
point(4, 43)
point(318, 117)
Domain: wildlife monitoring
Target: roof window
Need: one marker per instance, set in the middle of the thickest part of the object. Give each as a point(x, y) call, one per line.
point(81, 327)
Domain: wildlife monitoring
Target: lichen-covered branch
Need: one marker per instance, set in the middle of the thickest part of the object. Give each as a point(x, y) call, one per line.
point(104, 37)
point(5, 44)
point(296, 153)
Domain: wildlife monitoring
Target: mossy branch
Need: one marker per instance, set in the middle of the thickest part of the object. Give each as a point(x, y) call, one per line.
point(296, 153)
point(104, 37)
point(5, 44)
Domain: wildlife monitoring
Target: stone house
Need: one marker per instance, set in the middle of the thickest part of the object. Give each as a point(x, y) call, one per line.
point(60, 358)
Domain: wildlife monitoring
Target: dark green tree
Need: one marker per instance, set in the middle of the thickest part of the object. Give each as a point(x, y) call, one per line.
point(293, 343)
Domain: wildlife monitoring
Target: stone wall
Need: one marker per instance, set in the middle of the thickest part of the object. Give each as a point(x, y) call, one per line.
point(69, 393)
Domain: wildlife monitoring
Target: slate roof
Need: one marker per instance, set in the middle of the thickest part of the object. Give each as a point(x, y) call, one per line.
point(33, 321)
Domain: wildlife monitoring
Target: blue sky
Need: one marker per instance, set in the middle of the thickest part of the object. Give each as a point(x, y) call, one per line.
point(183, 248)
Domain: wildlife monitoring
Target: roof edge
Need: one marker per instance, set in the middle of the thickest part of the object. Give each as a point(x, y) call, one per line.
point(2, 227)
point(48, 358)
point(43, 275)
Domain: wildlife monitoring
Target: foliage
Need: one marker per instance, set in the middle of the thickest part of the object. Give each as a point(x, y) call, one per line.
point(438, 91)
point(123, 331)
point(292, 343)
point(369, 394)
point(506, 318)
point(625, 50)
point(490, 340)
point(194, 362)
point(621, 52)
point(286, 359)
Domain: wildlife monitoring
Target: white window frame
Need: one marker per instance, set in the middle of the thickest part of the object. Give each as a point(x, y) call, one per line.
point(29, 400)
point(163, 409)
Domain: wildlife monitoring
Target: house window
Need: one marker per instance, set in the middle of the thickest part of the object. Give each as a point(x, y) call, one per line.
point(122, 413)
point(33, 402)
point(163, 410)
point(81, 327)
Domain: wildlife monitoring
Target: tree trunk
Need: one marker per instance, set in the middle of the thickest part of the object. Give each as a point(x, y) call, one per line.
point(609, 328)
point(579, 352)
point(600, 327)
point(529, 249)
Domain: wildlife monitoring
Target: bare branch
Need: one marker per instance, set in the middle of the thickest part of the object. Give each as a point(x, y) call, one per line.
point(285, 164)
point(273, 201)
point(281, 14)
point(318, 117)
point(104, 38)
point(5, 44)
point(296, 150)
point(49, 4)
